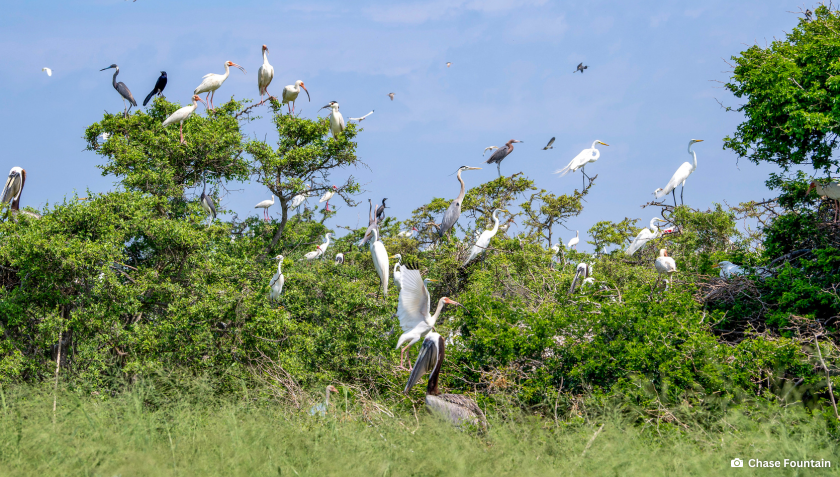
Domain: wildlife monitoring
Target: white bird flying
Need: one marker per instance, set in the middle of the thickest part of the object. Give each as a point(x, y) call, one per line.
point(490, 148)
point(380, 261)
point(264, 205)
point(644, 236)
point(49, 71)
point(277, 281)
point(397, 271)
point(581, 160)
point(290, 94)
point(573, 242)
point(362, 118)
point(264, 75)
point(679, 177)
point(448, 64)
point(213, 81)
point(665, 265)
point(413, 310)
point(336, 119)
point(182, 114)
point(484, 239)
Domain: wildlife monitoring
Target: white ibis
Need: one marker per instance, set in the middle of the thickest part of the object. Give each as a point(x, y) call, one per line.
point(122, 89)
point(336, 119)
point(830, 190)
point(679, 177)
point(380, 261)
point(328, 195)
point(182, 114)
point(277, 281)
point(407, 233)
point(291, 92)
point(264, 205)
point(361, 118)
point(573, 242)
point(14, 187)
point(581, 160)
point(265, 74)
point(213, 81)
point(453, 212)
point(665, 265)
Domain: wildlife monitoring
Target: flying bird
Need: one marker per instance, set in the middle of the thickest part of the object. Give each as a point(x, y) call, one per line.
point(336, 119)
point(448, 64)
point(391, 95)
point(182, 114)
point(644, 236)
point(549, 145)
point(158, 89)
point(264, 205)
point(488, 148)
point(679, 177)
point(290, 94)
point(264, 75)
point(453, 212)
point(362, 118)
point(501, 154)
point(49, 71)
point(484, 239)
point(276, 284)
point(121, 88)
point(581, 160)
point(213, 81)
point(580, 68)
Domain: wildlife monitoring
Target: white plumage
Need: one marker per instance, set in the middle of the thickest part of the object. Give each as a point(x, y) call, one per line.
point(49, 71)
point(264, 205)
point(380, 261)
point(265, 74)
point(665, 265)
point(573, 242)
point(213, 81)
point(581, 160)
point(328, 194)
point(644, 236)
point(679, 177)
point(291, 92)
point(484, 239)
point(398, 271)
point(336, 119)
point(182, 114)
point(277, 281)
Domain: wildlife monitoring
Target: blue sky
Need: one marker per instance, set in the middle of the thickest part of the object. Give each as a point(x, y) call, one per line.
point(650, 87)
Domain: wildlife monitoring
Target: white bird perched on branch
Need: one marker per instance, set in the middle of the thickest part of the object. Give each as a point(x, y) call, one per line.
point(830, 190)
point(291, 92)
point(299, 199)
point(213, 81)
point(484, 239)
point(380, 261)
point(339, 258)
point(264, 205)
point(319, 250)
point(679, 177)
point(277, 281)
point(582, 271)
point(665, 265)
point(573, 242)
point(644, 236)
point(182, 114)
point(407, 233)
point(362, 118)
point(581, 160)
point(397, 271)
point(328, 194)
point(336, 119)
point(264, 75)
point(13, 188)
point(414, 310)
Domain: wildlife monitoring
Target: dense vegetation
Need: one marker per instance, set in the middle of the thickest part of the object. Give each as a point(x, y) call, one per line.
point(104, 293)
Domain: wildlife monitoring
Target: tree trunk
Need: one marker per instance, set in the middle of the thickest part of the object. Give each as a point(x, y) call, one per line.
point(284, 218)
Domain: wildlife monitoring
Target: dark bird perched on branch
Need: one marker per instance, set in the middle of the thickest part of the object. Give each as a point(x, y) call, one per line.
point(380, 211)
point(501, 154)
point(158, 89)
point(121, 88)
point(580, 68)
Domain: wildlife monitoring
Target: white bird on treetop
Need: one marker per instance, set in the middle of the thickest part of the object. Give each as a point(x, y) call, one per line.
point(486, 236)
point(291, 92)
point(573, 242)
point(665, 265)
point(679, 177)
point(213, 81)
point(644, 236)
point(265, 205)
point(336, 119)
point(264, 75)
point(581, 160)
point(182, 114)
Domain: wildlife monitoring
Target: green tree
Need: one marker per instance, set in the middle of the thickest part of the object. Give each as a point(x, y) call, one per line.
point(544, 211)
point(606, 233)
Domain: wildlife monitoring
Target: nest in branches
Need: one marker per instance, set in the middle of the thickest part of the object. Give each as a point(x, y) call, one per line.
point(720, 291)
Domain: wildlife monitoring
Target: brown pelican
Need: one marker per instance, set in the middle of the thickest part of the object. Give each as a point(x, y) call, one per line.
point(582, 272)
point(455, 408)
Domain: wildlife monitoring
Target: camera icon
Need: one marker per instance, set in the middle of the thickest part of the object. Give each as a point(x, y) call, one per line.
point(736, 462)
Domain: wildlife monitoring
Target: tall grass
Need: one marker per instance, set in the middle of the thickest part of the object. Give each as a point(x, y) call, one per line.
point(149, 431)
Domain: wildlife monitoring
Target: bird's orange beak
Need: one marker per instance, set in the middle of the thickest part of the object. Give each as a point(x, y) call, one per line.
point(307, 93)
point(197, 98)
point(230, 63)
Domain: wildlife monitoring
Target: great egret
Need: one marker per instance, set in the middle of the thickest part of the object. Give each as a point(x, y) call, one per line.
point(213, 81)
point(581, 160)
point(264, 205)
point(122, 89)
point(413, 310)
point(644, 236)
point(679, 177)
point(14, 187)
point(488, 148)
point(456, 408)
point(484, 239)
point(580, 67)
point(264, 75)
point(380, 261)
point(830, 190)
point(291, 92)
point(501, 154)
point(182, 114)
point(49, 71)
point(665, 265)
point(339, 258)
point(549, 145)
point(454, 211)
point(361, 118)
point(321, 408)
point(336, 119)
point(160, 84)
point(397, 271)
point(582, 271)
point(573, 242)
point(277, 281)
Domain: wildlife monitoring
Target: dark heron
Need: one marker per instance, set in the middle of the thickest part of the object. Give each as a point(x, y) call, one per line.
point(580, 68)
point(207, 201)
point(158, 89)
point(380, 211)
point(121, 88)
point(549, 145)
point(808, 14)
point(501, 154)
point(454, 211)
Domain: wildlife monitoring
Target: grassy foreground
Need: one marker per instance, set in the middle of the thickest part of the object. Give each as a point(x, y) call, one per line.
point(147, 432)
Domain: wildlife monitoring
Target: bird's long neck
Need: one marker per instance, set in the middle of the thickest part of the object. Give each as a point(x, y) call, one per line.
point(437, 311)
point(327, 244)
point(593, 145)
point(375, 237)
point(653, 227)
point(224, 77)
point(114, 78)
point(327, 400)
point(693, 154)
point(265, 57)
point(509, 146)
point(432, 387)
point(496, 222)
point(463, 188)
point(280, 272)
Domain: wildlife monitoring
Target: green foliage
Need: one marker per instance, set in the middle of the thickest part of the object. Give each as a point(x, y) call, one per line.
point(545, 210)
point(606, 233)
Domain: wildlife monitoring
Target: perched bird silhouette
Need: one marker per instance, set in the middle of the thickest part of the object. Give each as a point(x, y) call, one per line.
point(580, 68)
point(549, 145)
point(808, 14)
point(158, 89)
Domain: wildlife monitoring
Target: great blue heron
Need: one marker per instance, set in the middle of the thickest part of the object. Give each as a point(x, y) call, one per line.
point(182, 114)
point(361, 118)
point(455, 408)
point(264, 75)
point(501, 154)
point(380, 211)
point(160, 84)
point(264, 205)
point(336, 119)
point(14, 187)
point(573, 242)
point(644, 236)
point(679, 177)
point(122, 89)
point(213, 81)
point(485, 237)
point(290, 94)
point(580, 68)
point(414, 309)
point(454, 211)
point(380, 261)
point(581, 160)
point(276, 284)
point(207, 202)
point(665, 265)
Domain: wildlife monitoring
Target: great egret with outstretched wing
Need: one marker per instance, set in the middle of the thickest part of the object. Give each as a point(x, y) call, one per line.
point(581, 160)
point(644, 236)
point(484, 239)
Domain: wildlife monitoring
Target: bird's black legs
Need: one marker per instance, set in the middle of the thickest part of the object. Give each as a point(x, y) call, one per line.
point(674, 193)
point(681, 194)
